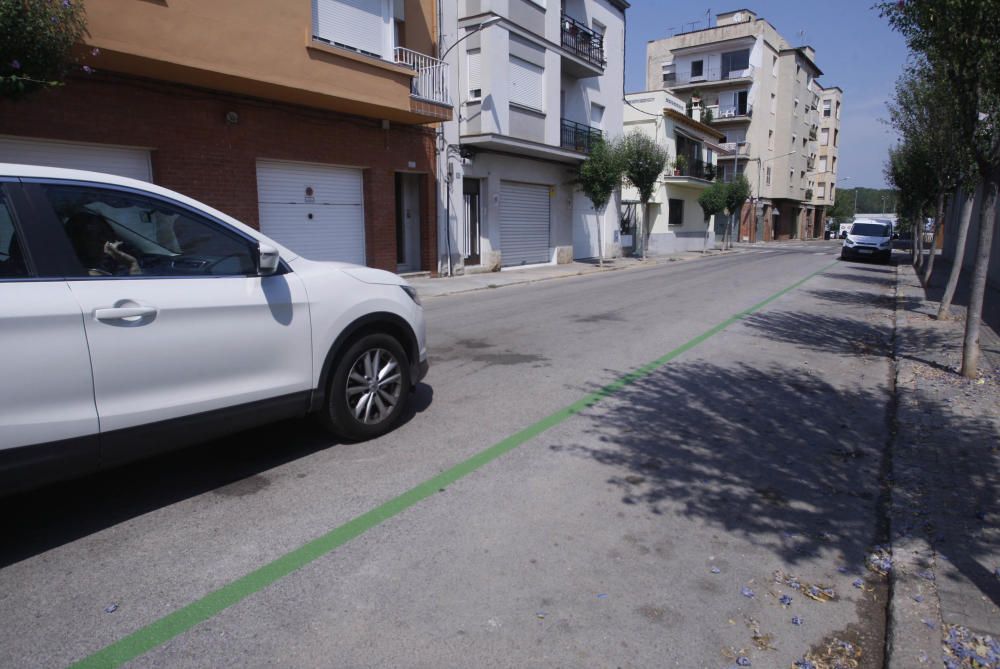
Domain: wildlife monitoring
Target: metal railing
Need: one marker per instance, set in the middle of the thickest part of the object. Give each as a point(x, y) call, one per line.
point(582, 42)
point(698, 169)
point(736, 149)
point(431, 81)
point(578, 137)
point(709, 74)
point(730, 111)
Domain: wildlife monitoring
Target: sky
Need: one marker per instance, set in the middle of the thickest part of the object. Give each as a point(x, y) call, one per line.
point(854, 47)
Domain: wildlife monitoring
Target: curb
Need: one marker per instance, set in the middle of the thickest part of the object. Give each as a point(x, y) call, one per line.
point(914, 623)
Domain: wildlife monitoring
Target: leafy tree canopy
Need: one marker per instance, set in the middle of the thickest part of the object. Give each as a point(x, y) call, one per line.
point(601, 173)
point(644, 160)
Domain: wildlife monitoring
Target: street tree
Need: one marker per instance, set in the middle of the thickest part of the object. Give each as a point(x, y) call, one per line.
point(36, 43)
point(713, 202)
point(921, 111)
point(958, 37)
point(908, 171)
point(643, 162)
point(737, 193)
point(598, 177)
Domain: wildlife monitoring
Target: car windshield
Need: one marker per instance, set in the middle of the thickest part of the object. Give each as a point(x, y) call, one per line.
point(870, 230)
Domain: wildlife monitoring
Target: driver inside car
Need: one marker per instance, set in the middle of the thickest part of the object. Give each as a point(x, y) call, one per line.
point(95, 244)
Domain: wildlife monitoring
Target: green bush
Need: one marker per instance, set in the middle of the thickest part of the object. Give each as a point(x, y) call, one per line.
point(36, 43)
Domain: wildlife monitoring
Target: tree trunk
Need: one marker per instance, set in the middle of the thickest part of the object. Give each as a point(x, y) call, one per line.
point(938, 225)
point(642, 233)
point(987, 220)
point(968, 200)
point(913, 251)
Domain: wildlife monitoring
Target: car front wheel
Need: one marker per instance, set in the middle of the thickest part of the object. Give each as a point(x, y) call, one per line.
point(369, 388)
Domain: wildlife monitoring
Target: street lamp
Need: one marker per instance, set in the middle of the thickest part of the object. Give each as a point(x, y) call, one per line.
point(760, 165)
point(493, 20)
point(447, 149)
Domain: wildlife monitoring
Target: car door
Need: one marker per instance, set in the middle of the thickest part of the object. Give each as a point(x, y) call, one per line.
point(47, 411)
point(180, 325)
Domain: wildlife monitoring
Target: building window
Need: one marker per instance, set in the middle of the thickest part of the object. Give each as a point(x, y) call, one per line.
point(826, 108)
point(822, 164)
point(735, 63)
point(774, 66)
point(474, 70)
point(834, 164)
point(768, 179)
point(770, 140)
point(824, 137)
point(697, 68)
point(774, 103)
point(676, 212)
point(596, 115)
point(804, 142)
point(838, 111)
point(836, 137)
point(526, 83)
point(365, 26)
point(821, 190)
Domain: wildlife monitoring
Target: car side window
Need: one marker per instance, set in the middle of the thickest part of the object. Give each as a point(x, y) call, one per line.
point(12, 262)
point(116, 233)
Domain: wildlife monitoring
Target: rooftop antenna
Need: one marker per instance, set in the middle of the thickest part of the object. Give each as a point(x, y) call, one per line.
point(708, 17)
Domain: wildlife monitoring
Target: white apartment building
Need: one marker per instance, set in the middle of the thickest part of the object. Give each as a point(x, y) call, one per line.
point(824, 191)
point(676, 221)
point(536, 82)
point(762, 92)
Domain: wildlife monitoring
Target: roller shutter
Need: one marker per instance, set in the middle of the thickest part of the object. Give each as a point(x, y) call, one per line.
point(524, 223)
point(121, 161)
point(357, 24)
point(336, 228)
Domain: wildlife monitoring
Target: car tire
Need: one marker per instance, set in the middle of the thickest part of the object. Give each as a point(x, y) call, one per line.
point(359, 404)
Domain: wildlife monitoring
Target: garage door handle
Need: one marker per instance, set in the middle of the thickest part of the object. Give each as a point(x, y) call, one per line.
point(122, 313)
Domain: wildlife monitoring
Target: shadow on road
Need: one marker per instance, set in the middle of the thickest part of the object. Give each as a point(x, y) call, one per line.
point(43, 519)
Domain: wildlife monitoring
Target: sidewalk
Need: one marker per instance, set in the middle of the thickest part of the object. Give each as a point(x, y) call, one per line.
point(437, 287)
point(945, 515)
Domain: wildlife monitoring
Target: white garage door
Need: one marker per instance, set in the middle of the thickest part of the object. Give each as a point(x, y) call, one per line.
point(315, 210)
point(123, 161)
point(524, 223)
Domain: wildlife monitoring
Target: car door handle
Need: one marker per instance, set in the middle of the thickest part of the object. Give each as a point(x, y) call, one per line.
point(122, 313)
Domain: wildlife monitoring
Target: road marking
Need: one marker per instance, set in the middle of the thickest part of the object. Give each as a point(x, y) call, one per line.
point(173, 624)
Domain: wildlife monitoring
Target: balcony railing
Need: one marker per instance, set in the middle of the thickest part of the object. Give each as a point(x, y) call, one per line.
point(720, 112)
point(707, 74)
point(583, 42)
point(578, 137)
point(698, 169)
point(431, 81)
point(736, 149)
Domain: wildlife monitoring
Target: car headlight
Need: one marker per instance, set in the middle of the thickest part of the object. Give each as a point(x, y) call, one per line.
point(885, 244)
point(412, 292)
point(848, 242)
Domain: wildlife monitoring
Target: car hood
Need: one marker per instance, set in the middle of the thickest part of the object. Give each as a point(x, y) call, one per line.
point(358, 272)
point(862, 239)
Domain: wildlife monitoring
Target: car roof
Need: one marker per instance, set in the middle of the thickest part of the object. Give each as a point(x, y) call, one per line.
point(44, 172)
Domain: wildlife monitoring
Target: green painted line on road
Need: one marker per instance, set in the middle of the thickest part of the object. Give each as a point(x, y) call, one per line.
point(173, 624)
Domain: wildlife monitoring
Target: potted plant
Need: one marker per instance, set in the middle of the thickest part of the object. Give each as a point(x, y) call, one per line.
point(680, 164)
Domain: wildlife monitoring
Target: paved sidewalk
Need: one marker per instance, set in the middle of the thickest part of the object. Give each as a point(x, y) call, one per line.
point(436, 287)
point(945, 515)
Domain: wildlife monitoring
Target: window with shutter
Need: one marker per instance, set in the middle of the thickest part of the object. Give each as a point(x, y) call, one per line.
point(475, 59)
point(526, 83)
point(361, 25)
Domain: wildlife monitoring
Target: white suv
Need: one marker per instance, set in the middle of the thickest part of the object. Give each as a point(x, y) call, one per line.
point(136, 320)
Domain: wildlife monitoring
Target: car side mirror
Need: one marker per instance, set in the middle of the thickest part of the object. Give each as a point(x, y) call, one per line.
point(267, 259)
point(895, 235)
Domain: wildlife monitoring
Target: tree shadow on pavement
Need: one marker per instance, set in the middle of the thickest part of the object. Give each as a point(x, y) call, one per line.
point(776, 455)
point(39, 520)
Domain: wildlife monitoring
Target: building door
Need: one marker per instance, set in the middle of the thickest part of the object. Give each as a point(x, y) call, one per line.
point(473, 212)
point(407, 222)
point(524, 223)
point(315, 210)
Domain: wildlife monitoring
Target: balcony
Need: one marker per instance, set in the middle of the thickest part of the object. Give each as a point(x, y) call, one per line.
point(709, 76)
point(697, 169)
point(431, 81)
point(722, 113)
point(582, 47)
point(736, 149)
point(578, 137)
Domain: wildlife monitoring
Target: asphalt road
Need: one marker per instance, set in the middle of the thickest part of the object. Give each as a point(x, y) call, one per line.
point(621, 534)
